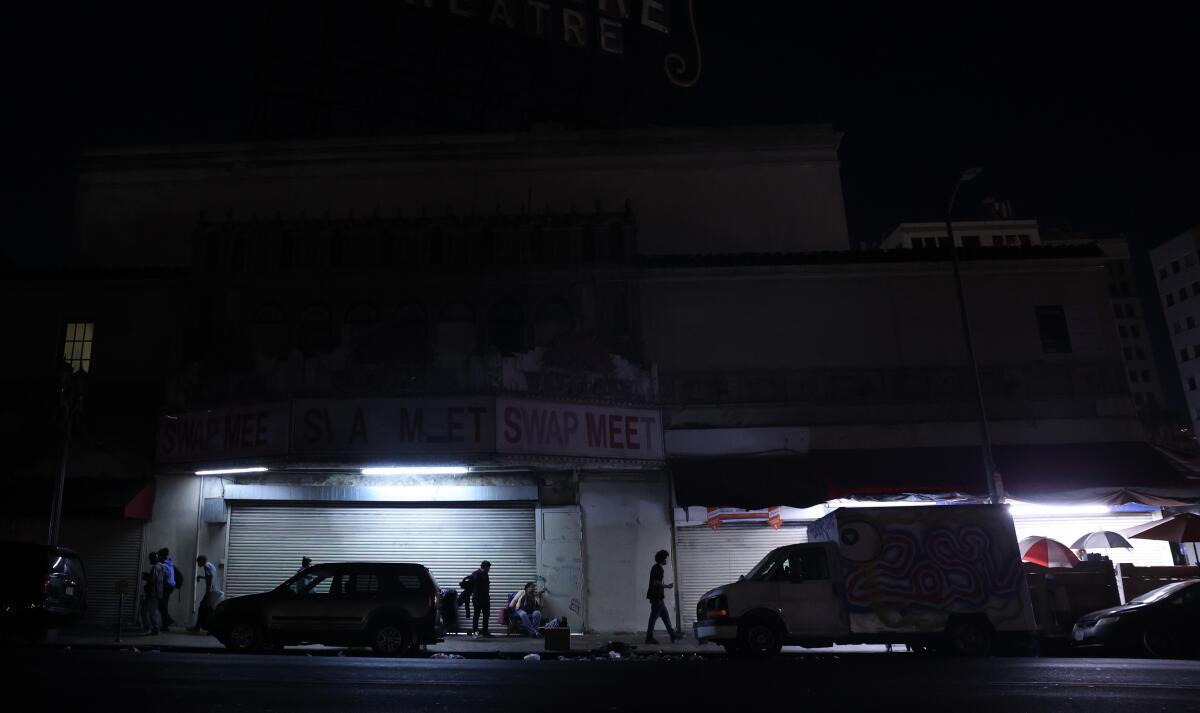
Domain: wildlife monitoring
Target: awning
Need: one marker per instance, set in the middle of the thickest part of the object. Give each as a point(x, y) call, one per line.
point(1114, 473)
point(83, 498)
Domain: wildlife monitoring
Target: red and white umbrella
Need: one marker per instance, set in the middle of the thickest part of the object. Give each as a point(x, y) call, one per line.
point(1047, 552)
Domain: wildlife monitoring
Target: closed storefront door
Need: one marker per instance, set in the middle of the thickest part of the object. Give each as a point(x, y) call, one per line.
point(708, 558)
point(267, 541)
point(111, 551)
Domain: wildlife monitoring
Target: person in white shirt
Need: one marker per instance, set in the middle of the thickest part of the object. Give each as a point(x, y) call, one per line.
point(212, 592)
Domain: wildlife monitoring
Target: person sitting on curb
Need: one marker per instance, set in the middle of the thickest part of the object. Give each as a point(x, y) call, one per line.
point(527, 607)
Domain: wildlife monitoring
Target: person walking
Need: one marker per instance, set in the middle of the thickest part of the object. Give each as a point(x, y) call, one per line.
point(212, 593)
point(169, 585)
point(152, 591)
point(656, 593)
point(481, 597)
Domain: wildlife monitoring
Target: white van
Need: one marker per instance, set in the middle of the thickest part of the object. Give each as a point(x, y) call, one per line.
point(932, 577)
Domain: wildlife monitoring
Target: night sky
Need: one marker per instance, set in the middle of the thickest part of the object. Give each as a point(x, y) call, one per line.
point(1079, 115)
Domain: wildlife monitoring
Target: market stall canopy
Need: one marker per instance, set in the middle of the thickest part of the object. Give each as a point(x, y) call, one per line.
point(1184, 527)
point(1110, 473)
point(1046, 552)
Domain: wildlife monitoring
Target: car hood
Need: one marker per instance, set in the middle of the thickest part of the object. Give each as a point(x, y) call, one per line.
point(731, 588)
point(1113, 611)
point(244, 600)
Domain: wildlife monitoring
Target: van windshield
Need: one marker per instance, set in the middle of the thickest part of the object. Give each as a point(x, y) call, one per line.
point(765, 568)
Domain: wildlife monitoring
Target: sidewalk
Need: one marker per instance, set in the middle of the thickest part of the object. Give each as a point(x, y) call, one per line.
point(499, 646)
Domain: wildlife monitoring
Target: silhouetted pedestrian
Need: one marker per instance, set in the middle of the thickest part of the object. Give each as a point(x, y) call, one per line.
point(481, 597)
point(212, 592)
point(656, 593)
point(170, 583)
point(152, 591)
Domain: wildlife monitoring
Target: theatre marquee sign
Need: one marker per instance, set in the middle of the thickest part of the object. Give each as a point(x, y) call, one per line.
point(371, 430)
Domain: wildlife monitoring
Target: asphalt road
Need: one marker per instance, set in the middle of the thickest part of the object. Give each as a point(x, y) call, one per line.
point(51, 679)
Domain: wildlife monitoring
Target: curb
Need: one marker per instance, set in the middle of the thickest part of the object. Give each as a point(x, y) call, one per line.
point(135, 647)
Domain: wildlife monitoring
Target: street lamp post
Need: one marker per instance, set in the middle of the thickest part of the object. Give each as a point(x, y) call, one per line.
point(70, 400)
point(994, 485)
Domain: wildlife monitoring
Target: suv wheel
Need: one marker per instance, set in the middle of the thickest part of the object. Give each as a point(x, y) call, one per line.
point(244, 636)
point(759, 638)
point(391, 639)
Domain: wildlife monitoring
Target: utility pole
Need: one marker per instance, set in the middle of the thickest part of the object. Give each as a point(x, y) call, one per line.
point(70, 402)
point(995, 487)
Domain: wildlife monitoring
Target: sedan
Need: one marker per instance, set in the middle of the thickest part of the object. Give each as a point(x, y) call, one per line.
point(1163, 623)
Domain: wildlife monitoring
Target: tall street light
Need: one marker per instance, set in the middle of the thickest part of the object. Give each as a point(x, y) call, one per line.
point(994, 484)
point(70, 395)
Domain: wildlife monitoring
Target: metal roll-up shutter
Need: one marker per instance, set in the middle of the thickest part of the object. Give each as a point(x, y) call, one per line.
point(708, 558)
point(266, 542)
point(111, 551)
point(1066, 529)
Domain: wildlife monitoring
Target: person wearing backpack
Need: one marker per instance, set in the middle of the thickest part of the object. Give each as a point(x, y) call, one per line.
point(467, 585)
point(172, 578)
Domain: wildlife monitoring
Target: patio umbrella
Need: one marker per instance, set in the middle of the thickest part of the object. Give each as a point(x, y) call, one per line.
point(1101, 540)
point(1047, 552)
point(1184, 527)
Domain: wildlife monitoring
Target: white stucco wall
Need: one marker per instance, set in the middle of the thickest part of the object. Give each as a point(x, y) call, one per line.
point(626, 519)
point(560, 563)
point(176, 525)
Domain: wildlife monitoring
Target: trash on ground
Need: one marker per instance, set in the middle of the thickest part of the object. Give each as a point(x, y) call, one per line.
point(614, 655)
point(532, 657)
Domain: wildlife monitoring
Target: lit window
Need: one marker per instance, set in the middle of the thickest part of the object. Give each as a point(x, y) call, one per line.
point(77, 347)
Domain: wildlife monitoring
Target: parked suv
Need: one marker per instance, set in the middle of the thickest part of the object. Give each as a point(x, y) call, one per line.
point(44, 587)
point(391, 607)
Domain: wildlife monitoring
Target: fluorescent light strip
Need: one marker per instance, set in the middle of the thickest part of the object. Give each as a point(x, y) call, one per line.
point(1031, 509)
point(417, 470)
point(230, 471)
